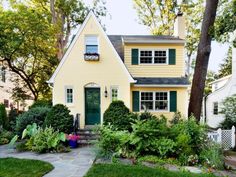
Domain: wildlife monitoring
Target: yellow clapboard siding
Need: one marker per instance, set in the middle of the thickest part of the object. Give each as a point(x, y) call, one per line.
point(155, 70)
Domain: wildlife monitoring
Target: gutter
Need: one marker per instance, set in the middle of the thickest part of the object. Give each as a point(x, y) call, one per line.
point(159, 85)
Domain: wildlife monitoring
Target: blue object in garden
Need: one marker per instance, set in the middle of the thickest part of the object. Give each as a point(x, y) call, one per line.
point(73, 144)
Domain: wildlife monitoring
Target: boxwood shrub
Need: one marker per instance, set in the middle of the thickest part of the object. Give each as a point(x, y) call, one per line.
point(118, 115)
point(35, 115)
point(59, 118)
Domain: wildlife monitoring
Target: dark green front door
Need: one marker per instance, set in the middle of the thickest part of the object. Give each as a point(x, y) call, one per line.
point(92, 106)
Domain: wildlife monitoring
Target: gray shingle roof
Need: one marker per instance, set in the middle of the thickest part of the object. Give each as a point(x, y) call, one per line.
point(161, 81)
point(117, 41)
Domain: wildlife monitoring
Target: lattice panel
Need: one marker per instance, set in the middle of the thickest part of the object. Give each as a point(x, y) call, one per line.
point(226, 139)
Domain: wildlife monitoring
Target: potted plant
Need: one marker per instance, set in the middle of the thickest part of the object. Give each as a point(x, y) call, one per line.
point(72, 138)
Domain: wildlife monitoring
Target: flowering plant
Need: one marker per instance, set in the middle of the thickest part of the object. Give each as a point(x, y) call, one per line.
point(72, 137)
point(193, 159)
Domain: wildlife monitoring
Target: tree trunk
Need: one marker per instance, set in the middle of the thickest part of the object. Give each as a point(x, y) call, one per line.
point(203, 53)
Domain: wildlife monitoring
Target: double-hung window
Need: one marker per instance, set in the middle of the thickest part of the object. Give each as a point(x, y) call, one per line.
point(160, 56)
point(154, 101)
point(161, 101)
point(114, 93)
point(146, 56)
point(147, 101)
point(153, 56)
point(215, 108)
point(91, 44)
point(69, 95)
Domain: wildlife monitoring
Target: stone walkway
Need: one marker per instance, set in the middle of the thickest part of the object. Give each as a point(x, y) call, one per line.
point(73, 164)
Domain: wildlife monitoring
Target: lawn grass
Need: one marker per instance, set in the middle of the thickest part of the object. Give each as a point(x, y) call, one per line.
point(119, 170)
point(12, 167)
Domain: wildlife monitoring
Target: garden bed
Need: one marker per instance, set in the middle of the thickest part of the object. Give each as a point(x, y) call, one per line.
point(120, 170)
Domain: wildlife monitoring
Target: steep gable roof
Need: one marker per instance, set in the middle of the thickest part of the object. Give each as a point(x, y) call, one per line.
point(91, 15)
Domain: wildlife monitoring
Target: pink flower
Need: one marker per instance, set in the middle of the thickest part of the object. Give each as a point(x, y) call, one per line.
point(72, 137)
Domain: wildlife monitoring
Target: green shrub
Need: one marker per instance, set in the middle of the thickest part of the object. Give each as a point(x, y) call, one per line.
point(194, 135)
point(13, 114)
point(229, 110)
point(165, 146)
point(110, 141)
point(146, 133)
point(158, 160)
point(118, 115)
point(59, 118)
point(5, 136)
point(35, 115)
point(21, 147)
point(176, 118)
point(41, 103)
point(3, 117)
point(212, 155)
point(146, 115)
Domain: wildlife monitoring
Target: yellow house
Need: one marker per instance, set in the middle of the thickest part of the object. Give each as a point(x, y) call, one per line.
point(146, 72)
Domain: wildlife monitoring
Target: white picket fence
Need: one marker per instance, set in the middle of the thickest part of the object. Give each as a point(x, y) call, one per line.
point(224, 137)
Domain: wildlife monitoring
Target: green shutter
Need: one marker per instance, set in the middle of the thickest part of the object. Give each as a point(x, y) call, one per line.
point(134, 56)
point(135, 101)
point(172, 56)
point(173, 101)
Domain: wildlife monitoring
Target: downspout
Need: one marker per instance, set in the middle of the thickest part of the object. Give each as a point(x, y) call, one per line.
point(204, 112)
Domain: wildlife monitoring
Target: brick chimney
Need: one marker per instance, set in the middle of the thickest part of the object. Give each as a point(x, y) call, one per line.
point(179, 26)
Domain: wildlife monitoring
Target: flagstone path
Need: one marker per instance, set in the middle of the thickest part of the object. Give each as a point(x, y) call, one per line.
point(73, 164)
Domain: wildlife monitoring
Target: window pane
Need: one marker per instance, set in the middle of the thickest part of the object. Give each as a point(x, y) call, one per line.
point(215, 108)
point(145, 56)
point(69, 95)
point(147, 100)
point(91, 49)
point(161, 102)
point(160, 56)
point(114, 94)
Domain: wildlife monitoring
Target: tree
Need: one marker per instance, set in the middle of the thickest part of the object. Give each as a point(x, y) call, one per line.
point(193, 13)
point(203, 53)
point(66, 15)
point(229, 111)
point(33, 37)
point(27, 47)
point(226, 66)
point(211, 76)
point(160, 16)
point(226, 22)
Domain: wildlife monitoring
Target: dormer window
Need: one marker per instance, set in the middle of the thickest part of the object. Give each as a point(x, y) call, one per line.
point(91, 48)
point(153, 56)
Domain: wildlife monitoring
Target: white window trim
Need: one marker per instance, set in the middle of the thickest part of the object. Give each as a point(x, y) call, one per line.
point(153, 55)
point(73, 97)
point(154, 99)
point(88, 35)
point(114, 87)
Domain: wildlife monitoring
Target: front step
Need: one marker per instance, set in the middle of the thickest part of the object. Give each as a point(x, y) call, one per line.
point(87, 136)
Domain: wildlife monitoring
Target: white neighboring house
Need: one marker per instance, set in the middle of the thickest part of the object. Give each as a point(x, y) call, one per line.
point(221, 88)
point(6, 86)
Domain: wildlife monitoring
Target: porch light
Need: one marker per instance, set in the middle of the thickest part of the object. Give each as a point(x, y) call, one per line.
point(105, 92)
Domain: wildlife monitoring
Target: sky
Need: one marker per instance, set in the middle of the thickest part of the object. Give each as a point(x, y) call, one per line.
point(122, 19)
